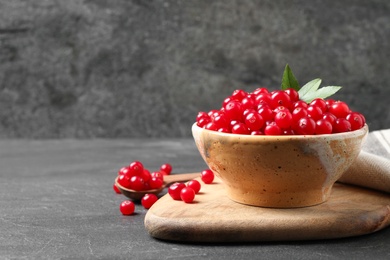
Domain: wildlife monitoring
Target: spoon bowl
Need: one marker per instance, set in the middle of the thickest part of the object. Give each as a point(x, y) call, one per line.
point(168, 180)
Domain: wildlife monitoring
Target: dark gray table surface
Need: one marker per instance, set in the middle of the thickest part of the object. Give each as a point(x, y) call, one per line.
point(56, 201)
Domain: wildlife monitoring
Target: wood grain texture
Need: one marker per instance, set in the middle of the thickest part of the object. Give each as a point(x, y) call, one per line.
point(350, 211)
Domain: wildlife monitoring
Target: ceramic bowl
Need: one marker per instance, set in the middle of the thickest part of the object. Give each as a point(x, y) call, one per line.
point(278, 171)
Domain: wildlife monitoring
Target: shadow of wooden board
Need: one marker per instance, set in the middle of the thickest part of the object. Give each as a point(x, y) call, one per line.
point(213, 217)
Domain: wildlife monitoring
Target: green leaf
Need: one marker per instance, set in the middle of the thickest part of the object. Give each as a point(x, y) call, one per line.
point(323, 92)
point(289, 80)
point(309, 87)
point(310, 90)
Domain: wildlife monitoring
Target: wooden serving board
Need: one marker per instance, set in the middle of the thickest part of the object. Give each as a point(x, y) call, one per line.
point(213, 217)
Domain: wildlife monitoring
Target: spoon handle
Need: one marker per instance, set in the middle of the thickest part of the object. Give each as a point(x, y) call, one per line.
point(183, 177)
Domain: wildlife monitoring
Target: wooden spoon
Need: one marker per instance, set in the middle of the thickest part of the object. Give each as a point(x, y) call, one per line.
point(168, 180)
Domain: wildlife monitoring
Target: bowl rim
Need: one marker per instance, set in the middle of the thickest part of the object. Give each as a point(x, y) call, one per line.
point(358, 132)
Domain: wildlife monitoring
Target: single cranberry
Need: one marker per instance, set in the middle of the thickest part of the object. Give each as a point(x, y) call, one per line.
point(355, 120)
point(298, 113)
point(319, 102)
point(136, 168)
point(251, 96)
point(329, 102)
point(314, 112)
point(266, 113)
point(226, 100)
point(263, 98)
point(339, 109)
point(195, 185)
point(115, 188)
point(221, 121)
point(238, 94)
point(224, 130)
point(174, 190)
point(166, 168)
point(283, 119)
point(123, 170)
point(293, 94)
point(240, 128)
point(187, 195)
point(148, 200)
point(213, 113)
point(146, 175)
point(329, 117)
point(260, 90)
point(124, 181)
point(341, 125)
point(279, 109)
point(247, 111)
point(254, 121)
point(304, 126)
point(127, 207)
point(207, 176)
point(137, 183)
point(234, 110)
point(300, 103)
point(247, 103)
point(280, 98)
point(155, 183)
point(323, 126)
point(202, 115)
point(211, 126)
point(272, 129)
point(157, 175)
point(203, 122)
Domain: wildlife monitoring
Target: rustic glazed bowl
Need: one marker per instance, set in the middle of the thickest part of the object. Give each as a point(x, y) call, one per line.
point(278, 171)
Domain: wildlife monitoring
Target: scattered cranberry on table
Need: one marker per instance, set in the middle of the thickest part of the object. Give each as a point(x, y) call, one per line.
point(148, 200)
point(127, 207)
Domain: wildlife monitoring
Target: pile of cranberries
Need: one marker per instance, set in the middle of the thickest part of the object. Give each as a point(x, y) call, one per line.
point(136, 177)
point(279, 112)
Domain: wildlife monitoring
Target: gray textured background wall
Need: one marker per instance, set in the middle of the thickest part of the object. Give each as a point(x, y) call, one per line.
point(144, 68)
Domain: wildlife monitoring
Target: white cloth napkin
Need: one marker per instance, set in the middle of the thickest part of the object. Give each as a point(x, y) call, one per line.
point(372, 167)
